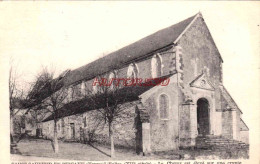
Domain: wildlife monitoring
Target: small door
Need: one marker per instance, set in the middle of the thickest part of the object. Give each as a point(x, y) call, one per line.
point(138, 133)
point(72, 130)
point(203, 116)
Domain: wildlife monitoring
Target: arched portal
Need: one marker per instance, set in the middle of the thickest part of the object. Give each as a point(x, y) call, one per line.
point(203, 116)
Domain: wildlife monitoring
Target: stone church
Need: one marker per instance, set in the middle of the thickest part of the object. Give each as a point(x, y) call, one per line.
point(194, 104)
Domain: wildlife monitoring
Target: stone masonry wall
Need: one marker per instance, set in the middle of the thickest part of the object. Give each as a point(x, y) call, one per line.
point(164, 132)
point(237, 124)
point(124, 127)
point(227, 121)
point(63, 129)
point(124, 130)
point(185, 128)
point(95, 130)
point(199, 52)
point(144, 67)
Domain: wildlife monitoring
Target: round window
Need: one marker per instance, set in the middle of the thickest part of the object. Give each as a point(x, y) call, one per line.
point(202, 83)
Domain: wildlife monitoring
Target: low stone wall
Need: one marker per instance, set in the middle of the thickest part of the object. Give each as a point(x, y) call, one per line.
point(244, 136)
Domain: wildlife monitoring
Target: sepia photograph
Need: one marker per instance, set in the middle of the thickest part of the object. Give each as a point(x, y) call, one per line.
point(155, 81)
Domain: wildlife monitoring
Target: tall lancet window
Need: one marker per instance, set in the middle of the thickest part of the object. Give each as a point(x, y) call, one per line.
point(112, 80)
point(156, 66)
point(132, 71)
point(70, 94)
point(83, 88)
point(97, 85)
point(164, 106)
point(95, 88)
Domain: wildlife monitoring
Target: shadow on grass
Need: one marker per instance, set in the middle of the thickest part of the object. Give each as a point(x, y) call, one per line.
point(99, 150)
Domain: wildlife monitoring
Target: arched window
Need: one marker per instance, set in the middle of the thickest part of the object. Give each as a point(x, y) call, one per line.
point(164, 106)
point(132, 71)
point(83, 88)
point(112, 76)
point(76, 91)
point(95, 88)
point(70, 93)
point(96, 85)
point(156, 66)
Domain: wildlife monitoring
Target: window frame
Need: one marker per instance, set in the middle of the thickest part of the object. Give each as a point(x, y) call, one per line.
point(154, 66)
point(112, 75)
point(134, 70)
point(167, 114)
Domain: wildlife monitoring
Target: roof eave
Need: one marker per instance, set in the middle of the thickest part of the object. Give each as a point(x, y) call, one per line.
point(244, 124)
point(233, 100)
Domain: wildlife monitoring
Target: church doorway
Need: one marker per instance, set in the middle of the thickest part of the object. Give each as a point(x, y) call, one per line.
point(203, 116)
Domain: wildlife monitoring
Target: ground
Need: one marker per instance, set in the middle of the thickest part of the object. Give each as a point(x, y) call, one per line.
point(39, 149)
point(72, 151)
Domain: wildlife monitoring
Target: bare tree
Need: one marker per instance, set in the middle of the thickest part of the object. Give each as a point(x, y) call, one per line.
point(107, 100)
point(16, 95)
point(36, 115)
point(50, 95)
point(108, 103)
point(18, 92)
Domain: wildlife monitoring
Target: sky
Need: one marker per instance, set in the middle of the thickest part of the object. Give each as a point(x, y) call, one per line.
point(67, 35)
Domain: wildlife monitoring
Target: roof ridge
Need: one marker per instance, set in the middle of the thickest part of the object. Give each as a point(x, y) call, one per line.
point(117, 59)
point(195, 17)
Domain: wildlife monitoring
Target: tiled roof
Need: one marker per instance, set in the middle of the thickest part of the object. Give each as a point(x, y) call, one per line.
point(119, 58)
point(123, 56)
point(84, 105)
point(232, 104)
point(243, 126)
point(125, 94)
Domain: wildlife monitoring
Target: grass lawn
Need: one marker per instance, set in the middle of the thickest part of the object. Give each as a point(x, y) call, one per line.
point(78, 151)
point(72, 151)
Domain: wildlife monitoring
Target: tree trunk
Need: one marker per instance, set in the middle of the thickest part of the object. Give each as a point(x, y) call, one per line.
point(111, 135)
point(55, 138)
point(11, 129)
